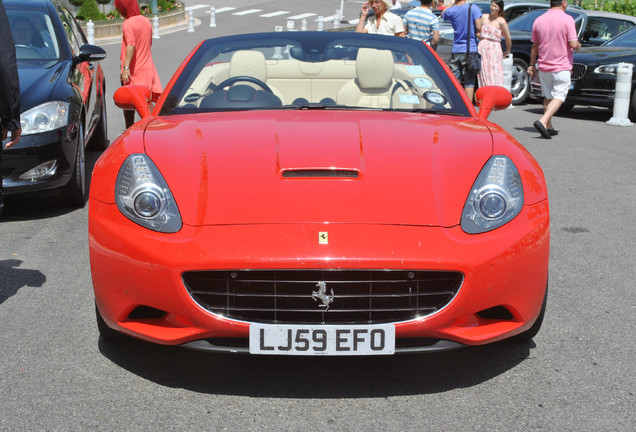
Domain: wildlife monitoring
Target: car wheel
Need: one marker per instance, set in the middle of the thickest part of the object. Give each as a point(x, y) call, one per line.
point(75, 192)
point(532, 331)
point(520, 85)
point(106, 332)
point(99, 140)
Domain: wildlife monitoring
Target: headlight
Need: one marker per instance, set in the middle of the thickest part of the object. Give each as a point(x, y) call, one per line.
point(143, 196)
point(610, 69)
point(496, 197)
point(44, 118)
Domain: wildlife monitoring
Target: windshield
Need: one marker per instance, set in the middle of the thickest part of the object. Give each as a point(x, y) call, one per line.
point(33, 35)
point(625, 39)
point(313, 70)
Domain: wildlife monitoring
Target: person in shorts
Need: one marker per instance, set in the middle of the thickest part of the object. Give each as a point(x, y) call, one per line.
point(554, 40)
point(457, 15)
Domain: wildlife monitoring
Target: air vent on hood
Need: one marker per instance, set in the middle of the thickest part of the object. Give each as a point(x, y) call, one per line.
point(317, 173)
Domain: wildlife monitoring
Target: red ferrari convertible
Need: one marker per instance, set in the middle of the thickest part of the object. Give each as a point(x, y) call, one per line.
point(322, 193)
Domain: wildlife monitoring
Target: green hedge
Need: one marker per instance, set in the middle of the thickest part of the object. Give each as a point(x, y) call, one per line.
point(89, 11)
point(627, 7)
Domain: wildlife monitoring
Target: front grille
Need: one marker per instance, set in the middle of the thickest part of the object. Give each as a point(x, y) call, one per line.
point(300, 296)
point(578, 71)
point(316, 173)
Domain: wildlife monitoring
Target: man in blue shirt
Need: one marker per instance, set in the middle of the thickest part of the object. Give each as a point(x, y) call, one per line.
point(422, 24)
point(457, 15)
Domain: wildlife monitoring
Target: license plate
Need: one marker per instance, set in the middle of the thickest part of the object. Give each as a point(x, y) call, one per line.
point(329, 340)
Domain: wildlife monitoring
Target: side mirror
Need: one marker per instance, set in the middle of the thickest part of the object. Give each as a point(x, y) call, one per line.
point(90, 53)
point(134, 97)
point(492, 98)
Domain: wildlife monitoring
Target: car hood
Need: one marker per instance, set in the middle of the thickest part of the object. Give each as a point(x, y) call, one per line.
point(259, 167)
point(37, 82)
point(605, 55)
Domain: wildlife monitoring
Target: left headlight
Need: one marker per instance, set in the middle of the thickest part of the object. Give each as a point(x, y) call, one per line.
point(143, 196)
point(495, 198)
point(44, 118)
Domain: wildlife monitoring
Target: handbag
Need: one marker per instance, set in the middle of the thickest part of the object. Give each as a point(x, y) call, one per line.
point(472, 61)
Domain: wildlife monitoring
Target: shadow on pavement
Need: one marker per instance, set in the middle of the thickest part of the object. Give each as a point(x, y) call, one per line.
point(309, 377)
point(14, 278)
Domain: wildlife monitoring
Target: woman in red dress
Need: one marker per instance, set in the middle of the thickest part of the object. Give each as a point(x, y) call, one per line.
point(137, 66)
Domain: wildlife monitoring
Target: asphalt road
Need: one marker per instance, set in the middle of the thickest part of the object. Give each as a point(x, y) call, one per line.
point(578, 374)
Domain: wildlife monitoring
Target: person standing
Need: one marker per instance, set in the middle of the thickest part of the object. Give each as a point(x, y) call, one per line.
point(422, 24)
point(137, 67)
point(396, 5)
point(554, 41)
point(383, 22)
point(465, 40)
point(493, 26)
point(9, 92)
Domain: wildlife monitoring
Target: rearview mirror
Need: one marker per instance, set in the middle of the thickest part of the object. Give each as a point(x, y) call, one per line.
point(134, 97)
point(492, 98)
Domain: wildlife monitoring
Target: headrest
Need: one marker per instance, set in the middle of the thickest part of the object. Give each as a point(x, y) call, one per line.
point(374, 68)
point(249, 63)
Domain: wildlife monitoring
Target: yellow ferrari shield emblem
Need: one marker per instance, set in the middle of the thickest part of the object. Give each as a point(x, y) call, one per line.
point(323, 237)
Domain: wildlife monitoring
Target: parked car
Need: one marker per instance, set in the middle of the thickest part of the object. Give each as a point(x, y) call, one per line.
point(317, 193)
point(62, 92)
point(595, 71)
point(593, 28)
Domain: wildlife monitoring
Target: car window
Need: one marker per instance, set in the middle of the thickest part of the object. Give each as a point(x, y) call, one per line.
point(514, 12)
point(626, 39)
point(33, 35)
point(524, 22)
point(304, 73)
point(69, 30)
point(602, 29)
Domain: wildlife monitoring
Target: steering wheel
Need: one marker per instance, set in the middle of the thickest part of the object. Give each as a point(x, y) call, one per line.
point(245, 78)
point(30, 48)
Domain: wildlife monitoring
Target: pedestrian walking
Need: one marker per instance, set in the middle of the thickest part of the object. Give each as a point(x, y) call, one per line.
point(9, 92)
point(137, 67)
point(422, 24)
point(382, 22)
point(554, 41)
point(466, 22)
point(493, 27)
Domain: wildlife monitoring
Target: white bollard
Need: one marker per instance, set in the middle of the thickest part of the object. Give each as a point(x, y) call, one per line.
point(212, 16)
point(507, 71)
point(507, 74)
point(622, 95)
point(320, 23)
point(90, 32)
point(290, 25)
point(336, 20)
point(190, 21)
point(155, 28)
point(303, 25)
point(278, 51)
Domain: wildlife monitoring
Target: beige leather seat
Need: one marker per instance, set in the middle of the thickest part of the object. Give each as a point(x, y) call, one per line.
point(373, 85)
point(252, 64)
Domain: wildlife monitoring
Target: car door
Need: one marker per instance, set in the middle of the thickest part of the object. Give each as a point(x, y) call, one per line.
point(81, 74)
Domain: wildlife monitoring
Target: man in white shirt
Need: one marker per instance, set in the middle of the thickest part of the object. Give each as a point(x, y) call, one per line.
point(383, 22)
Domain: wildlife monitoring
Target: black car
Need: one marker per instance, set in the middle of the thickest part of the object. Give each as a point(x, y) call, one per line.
point(593, 29)
point(61, 98)
point(595, 71)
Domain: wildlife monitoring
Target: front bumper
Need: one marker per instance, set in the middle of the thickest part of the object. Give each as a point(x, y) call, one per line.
point(33, 150)
point(136, 269)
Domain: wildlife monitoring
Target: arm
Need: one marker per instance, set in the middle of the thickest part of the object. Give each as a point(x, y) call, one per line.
point(506, 32)
point(435, 39)
point(125, 73)
point(363, 18)
point(533, 59)
point(574, 44)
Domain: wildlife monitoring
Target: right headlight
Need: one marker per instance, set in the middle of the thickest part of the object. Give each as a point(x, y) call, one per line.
point(496, 197)
point(143, 196)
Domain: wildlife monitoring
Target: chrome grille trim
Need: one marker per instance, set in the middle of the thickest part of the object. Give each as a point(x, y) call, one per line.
point(578, 71)
point(285, 296)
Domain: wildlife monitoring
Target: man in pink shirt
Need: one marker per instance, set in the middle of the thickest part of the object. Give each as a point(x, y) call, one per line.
point(554, 39)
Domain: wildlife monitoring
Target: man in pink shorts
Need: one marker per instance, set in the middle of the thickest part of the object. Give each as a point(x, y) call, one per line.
point(553, 40)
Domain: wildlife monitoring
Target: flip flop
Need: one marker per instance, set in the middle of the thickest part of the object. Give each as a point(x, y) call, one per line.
point(542, 130)
point(553, 132)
